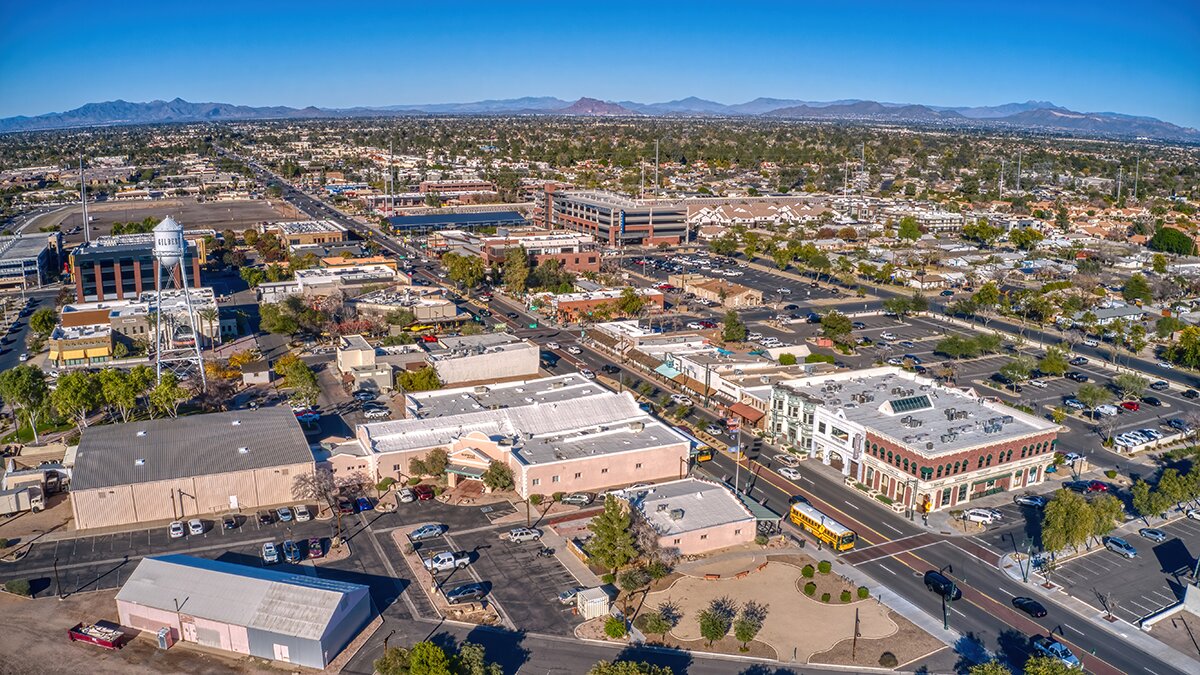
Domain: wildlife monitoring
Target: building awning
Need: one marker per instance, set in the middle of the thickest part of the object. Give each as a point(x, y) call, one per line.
point(748, 413)
point(696, 442)
point(98, 352)
point(760, 512)
point(465, 471)
point(667, 371)
point(71, 354)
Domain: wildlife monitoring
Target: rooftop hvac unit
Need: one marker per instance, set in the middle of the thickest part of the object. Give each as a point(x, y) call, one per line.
point(637, 426)
point(505, 442)
point(558, 384)
point(1007, 419)
point(481, 389)
point(661, 508)
point(676, 514)
point(929, 445)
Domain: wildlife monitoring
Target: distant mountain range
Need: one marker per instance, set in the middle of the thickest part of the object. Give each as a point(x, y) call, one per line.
point(1029, 116)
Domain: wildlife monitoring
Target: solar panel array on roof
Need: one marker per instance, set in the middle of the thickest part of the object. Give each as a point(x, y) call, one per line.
point(904, 405)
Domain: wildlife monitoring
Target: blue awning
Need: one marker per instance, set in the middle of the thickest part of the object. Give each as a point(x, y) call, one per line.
point(696, 442)
point(667, 371)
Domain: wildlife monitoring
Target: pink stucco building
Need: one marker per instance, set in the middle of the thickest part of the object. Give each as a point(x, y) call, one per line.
point(693, 516)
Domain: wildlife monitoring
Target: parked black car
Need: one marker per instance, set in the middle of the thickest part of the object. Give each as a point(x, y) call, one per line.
point(465, 593)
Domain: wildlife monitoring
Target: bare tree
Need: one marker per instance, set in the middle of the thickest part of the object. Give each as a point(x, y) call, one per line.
point(321, 486)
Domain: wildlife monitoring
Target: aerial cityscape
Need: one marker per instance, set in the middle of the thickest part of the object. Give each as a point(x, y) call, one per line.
point(600, 339)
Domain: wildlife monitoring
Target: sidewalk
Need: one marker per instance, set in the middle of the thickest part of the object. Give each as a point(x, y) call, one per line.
point(1118, 628)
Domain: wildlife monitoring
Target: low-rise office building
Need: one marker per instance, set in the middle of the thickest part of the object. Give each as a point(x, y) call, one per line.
point(556, 434)
point(601, 304)
point(717, 291)
point(306, 232)
point(921, 444)
point(693, 516)
point(120, 267)
point(29, 260)
point(614, 219)
point(199, 465)
point(270, 614)
point(489, 357)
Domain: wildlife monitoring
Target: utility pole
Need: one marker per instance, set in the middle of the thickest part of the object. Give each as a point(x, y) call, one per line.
point(854, 645)
point(87, 228)
point(1018, 171)
point(1001, 178)
point(1120, 175)
point(946, 598)
point(1137, 173)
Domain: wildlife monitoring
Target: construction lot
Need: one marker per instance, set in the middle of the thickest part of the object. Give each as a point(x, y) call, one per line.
point(193, 215)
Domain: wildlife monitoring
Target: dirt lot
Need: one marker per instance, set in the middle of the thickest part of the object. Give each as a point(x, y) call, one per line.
point(907, 644)
point(237, 216)
point(33, 638)
point(1181, 631)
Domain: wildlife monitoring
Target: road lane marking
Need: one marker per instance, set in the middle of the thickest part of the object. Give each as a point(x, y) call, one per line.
point(888, 570)
point(889, 526)
point(854, 507)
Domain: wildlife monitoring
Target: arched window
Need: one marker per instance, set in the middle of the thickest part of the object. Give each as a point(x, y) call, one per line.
point(939, 471)
point(889, 457)
point(989, 460)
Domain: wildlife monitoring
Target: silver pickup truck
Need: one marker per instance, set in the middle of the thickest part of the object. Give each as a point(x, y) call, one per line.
point(445, 562)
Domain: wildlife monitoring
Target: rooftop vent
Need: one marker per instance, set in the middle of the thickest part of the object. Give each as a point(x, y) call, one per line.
point(243, 450)
point(483, 390)
point(141, 433)
point(637, 426)
point(661, 508)
point(139, 462)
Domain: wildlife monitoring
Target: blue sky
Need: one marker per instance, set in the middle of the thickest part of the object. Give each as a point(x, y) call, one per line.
point(1138, 58)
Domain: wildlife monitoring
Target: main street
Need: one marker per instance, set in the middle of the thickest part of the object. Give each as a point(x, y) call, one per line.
point(985, 614)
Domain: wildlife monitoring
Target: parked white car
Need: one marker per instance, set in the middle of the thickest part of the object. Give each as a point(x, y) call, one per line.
point(787, 459)
point(983, 516)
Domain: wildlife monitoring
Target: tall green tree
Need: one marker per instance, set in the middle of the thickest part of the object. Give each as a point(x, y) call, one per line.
point(908, 229)
point(24, 387)
point(629, 668)
point(1093, 395)
point(1147, 501)
point(1066, 521)
point(1025, 238)
point(168, 395)
point(1055, 361)
point(1045, 665)
point(1130, 385)
point(733, 330)
point(1107, 513)
point(992, 667)
point(612, 542)
point(77, 395)
point(836, 326)
point(43, 321)
point(1137, 288)
point(516, 270)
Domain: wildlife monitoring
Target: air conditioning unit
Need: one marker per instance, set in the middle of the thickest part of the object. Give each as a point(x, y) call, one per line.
point(676, 514)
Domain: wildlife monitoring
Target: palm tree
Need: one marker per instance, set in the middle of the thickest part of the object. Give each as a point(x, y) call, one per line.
point(210, 315)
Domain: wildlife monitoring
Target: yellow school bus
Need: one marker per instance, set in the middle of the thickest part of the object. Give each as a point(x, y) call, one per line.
point(837, 536)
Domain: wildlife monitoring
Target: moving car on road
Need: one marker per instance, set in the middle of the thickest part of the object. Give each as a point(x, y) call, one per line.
point(1054, 649)
point(790, 473)
point(1030, 606)
point(942, 585)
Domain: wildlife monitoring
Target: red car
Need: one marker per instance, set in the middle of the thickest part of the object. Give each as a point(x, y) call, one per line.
point(1097, 486)
point(1133, 406)
point(429, 338)
point(315, 549)
point(423, 492)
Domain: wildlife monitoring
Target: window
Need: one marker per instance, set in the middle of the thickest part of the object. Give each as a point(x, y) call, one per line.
point(604, 470)
point(677, 542)
point(395, 467)
point(946, 496)
point(738, 531)
point(704, 536)
point(939, 471)
point(989, 460)
point(821, 427)
point(554, 479)
point(537, 481)
point(578, 475)
point(638, 465)
point(980, 463)
point(962, 492)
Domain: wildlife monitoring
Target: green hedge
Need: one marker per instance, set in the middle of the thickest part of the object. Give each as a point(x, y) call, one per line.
point(824, 566)
point(17, 586)
point(863, 593)
point(808, 571)
point(845, 596)
point(810, 588)
point(824, 597)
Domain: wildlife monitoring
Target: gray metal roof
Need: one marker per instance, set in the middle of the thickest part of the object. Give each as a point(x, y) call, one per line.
point(269, 600)
point(691, 504)
point(198, 445)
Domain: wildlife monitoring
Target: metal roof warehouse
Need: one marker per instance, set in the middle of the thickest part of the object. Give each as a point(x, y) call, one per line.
point(444, 221)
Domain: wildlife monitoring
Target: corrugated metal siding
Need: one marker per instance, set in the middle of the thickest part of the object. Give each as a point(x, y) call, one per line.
point(162, 500)
point(213, 492)
point(103, 507)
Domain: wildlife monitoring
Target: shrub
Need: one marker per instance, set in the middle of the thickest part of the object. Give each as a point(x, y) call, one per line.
point(1111, 474)
point(824, 566)
point(438, 490)
point(614, 628)
point(609, 578)
point(863, 593)
point(824, 597)
point(810, 588)
point(657, 570)
point(888, 660)
point(761, 539)
point(885, 499)
point(4, 543)
point(383, 485)
point(17, 586)
point(536, 499)
point(807, 571)
point(414, 480)
point(558, 496)
point(845, 596)
point(819, 358)
point(787, 359)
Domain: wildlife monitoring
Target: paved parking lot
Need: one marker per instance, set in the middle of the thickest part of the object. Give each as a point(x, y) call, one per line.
point(1139, 586)
point(525, 585)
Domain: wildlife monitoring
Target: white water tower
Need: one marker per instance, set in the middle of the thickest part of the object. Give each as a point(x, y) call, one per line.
point(177, 339)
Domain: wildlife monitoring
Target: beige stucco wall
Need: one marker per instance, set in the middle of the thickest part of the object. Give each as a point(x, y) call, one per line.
point(710, 538)
point(201, 496)
point(600, 472)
